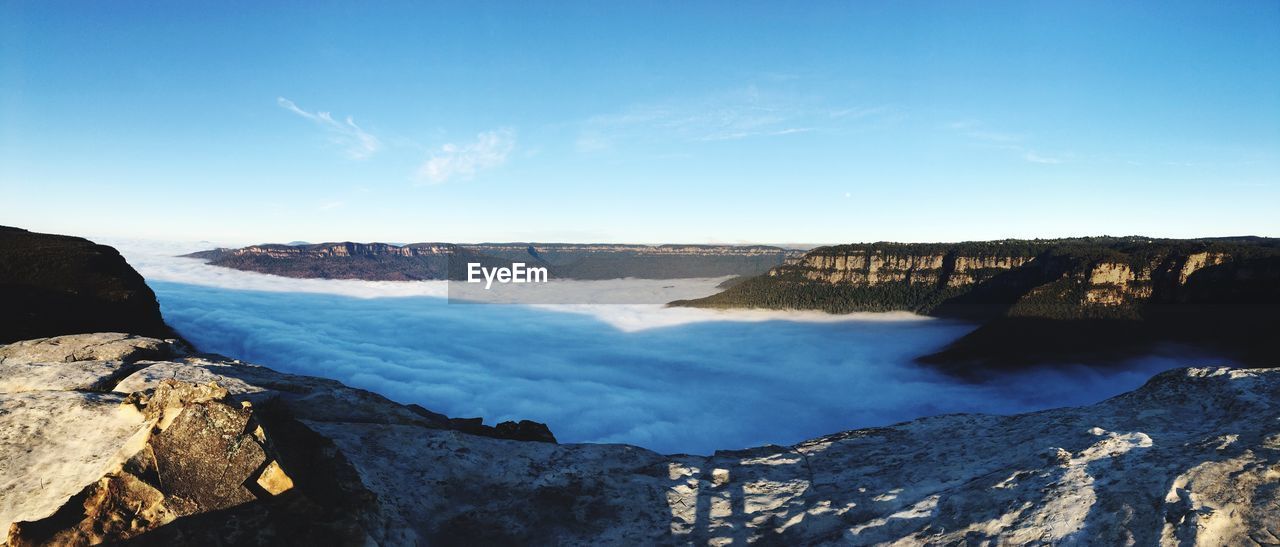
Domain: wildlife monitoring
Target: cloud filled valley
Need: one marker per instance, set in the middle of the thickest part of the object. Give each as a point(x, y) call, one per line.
point(674, 380)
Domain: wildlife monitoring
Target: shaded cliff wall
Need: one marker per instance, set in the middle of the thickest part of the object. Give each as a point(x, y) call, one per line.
point(52, 285)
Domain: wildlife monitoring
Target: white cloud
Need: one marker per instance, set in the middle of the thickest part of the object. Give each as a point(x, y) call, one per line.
point(489, 150)
point(358, 143)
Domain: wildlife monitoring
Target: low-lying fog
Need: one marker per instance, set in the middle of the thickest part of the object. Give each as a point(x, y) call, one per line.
point(673, 380)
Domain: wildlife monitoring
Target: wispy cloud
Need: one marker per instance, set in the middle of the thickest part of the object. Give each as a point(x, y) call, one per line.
point(462, 161)
point(1033, 157)
point(856, 113)
point(974, 130)
point(739, 114)
point(977, 133)
point(357, 143)
point(994, 136)
point(745, 134)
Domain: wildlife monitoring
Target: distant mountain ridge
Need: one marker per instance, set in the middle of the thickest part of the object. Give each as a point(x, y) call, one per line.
point(1107, 290)
point(433, 261)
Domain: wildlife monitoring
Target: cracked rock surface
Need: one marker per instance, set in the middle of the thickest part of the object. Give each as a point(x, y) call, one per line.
point(107, 438)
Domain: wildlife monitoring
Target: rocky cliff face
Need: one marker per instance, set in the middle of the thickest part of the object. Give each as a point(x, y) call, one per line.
point(869, 266)
point(52, 284)
point(1093, 277)
point(110, 437)
point(347, 260)
point(427, 261)
point(1043, 300)
point(345, 249)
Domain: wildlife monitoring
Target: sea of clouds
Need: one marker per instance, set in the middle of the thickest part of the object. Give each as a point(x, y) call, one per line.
point(670, 379)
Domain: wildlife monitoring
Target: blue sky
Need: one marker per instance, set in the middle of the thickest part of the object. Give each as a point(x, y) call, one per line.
point(640, 122)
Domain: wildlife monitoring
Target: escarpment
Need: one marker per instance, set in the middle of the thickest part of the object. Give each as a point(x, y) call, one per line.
point(1106, 277)
point(433, 261)
point(929, 266)
point(1053, 293)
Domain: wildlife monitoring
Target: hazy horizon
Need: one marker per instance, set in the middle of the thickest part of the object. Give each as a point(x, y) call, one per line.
point(111, 239)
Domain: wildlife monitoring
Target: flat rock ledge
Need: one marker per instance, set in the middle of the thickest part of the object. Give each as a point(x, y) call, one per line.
point(108, 438)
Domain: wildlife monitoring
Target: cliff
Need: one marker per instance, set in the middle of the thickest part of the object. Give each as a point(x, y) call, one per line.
point(1044, 299)
point(372, 261)
point(1090, 277)
point(53, 284)
point(106, 438)
point(434, 261)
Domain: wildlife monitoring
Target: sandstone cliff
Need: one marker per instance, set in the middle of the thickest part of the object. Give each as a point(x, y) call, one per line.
point(1045, 298)
point(1085, 277)
point(110, 437)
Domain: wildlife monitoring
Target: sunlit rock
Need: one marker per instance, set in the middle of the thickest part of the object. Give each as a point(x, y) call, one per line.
point(205, 450)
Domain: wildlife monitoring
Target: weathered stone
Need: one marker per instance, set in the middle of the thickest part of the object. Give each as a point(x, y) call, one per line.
point(202, 455)
point(79, 375)
point(207, 455)
point(54, 443)
point(102, 346)
point(193, 370)
point(524, 430)
point(274, 480)
point(169, 397)
point(119, 506)
point(1095, 475)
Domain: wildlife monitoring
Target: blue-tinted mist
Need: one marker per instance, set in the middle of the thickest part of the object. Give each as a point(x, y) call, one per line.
point(689, 388)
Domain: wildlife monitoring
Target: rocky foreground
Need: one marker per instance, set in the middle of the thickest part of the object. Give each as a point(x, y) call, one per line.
point(112, 437)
